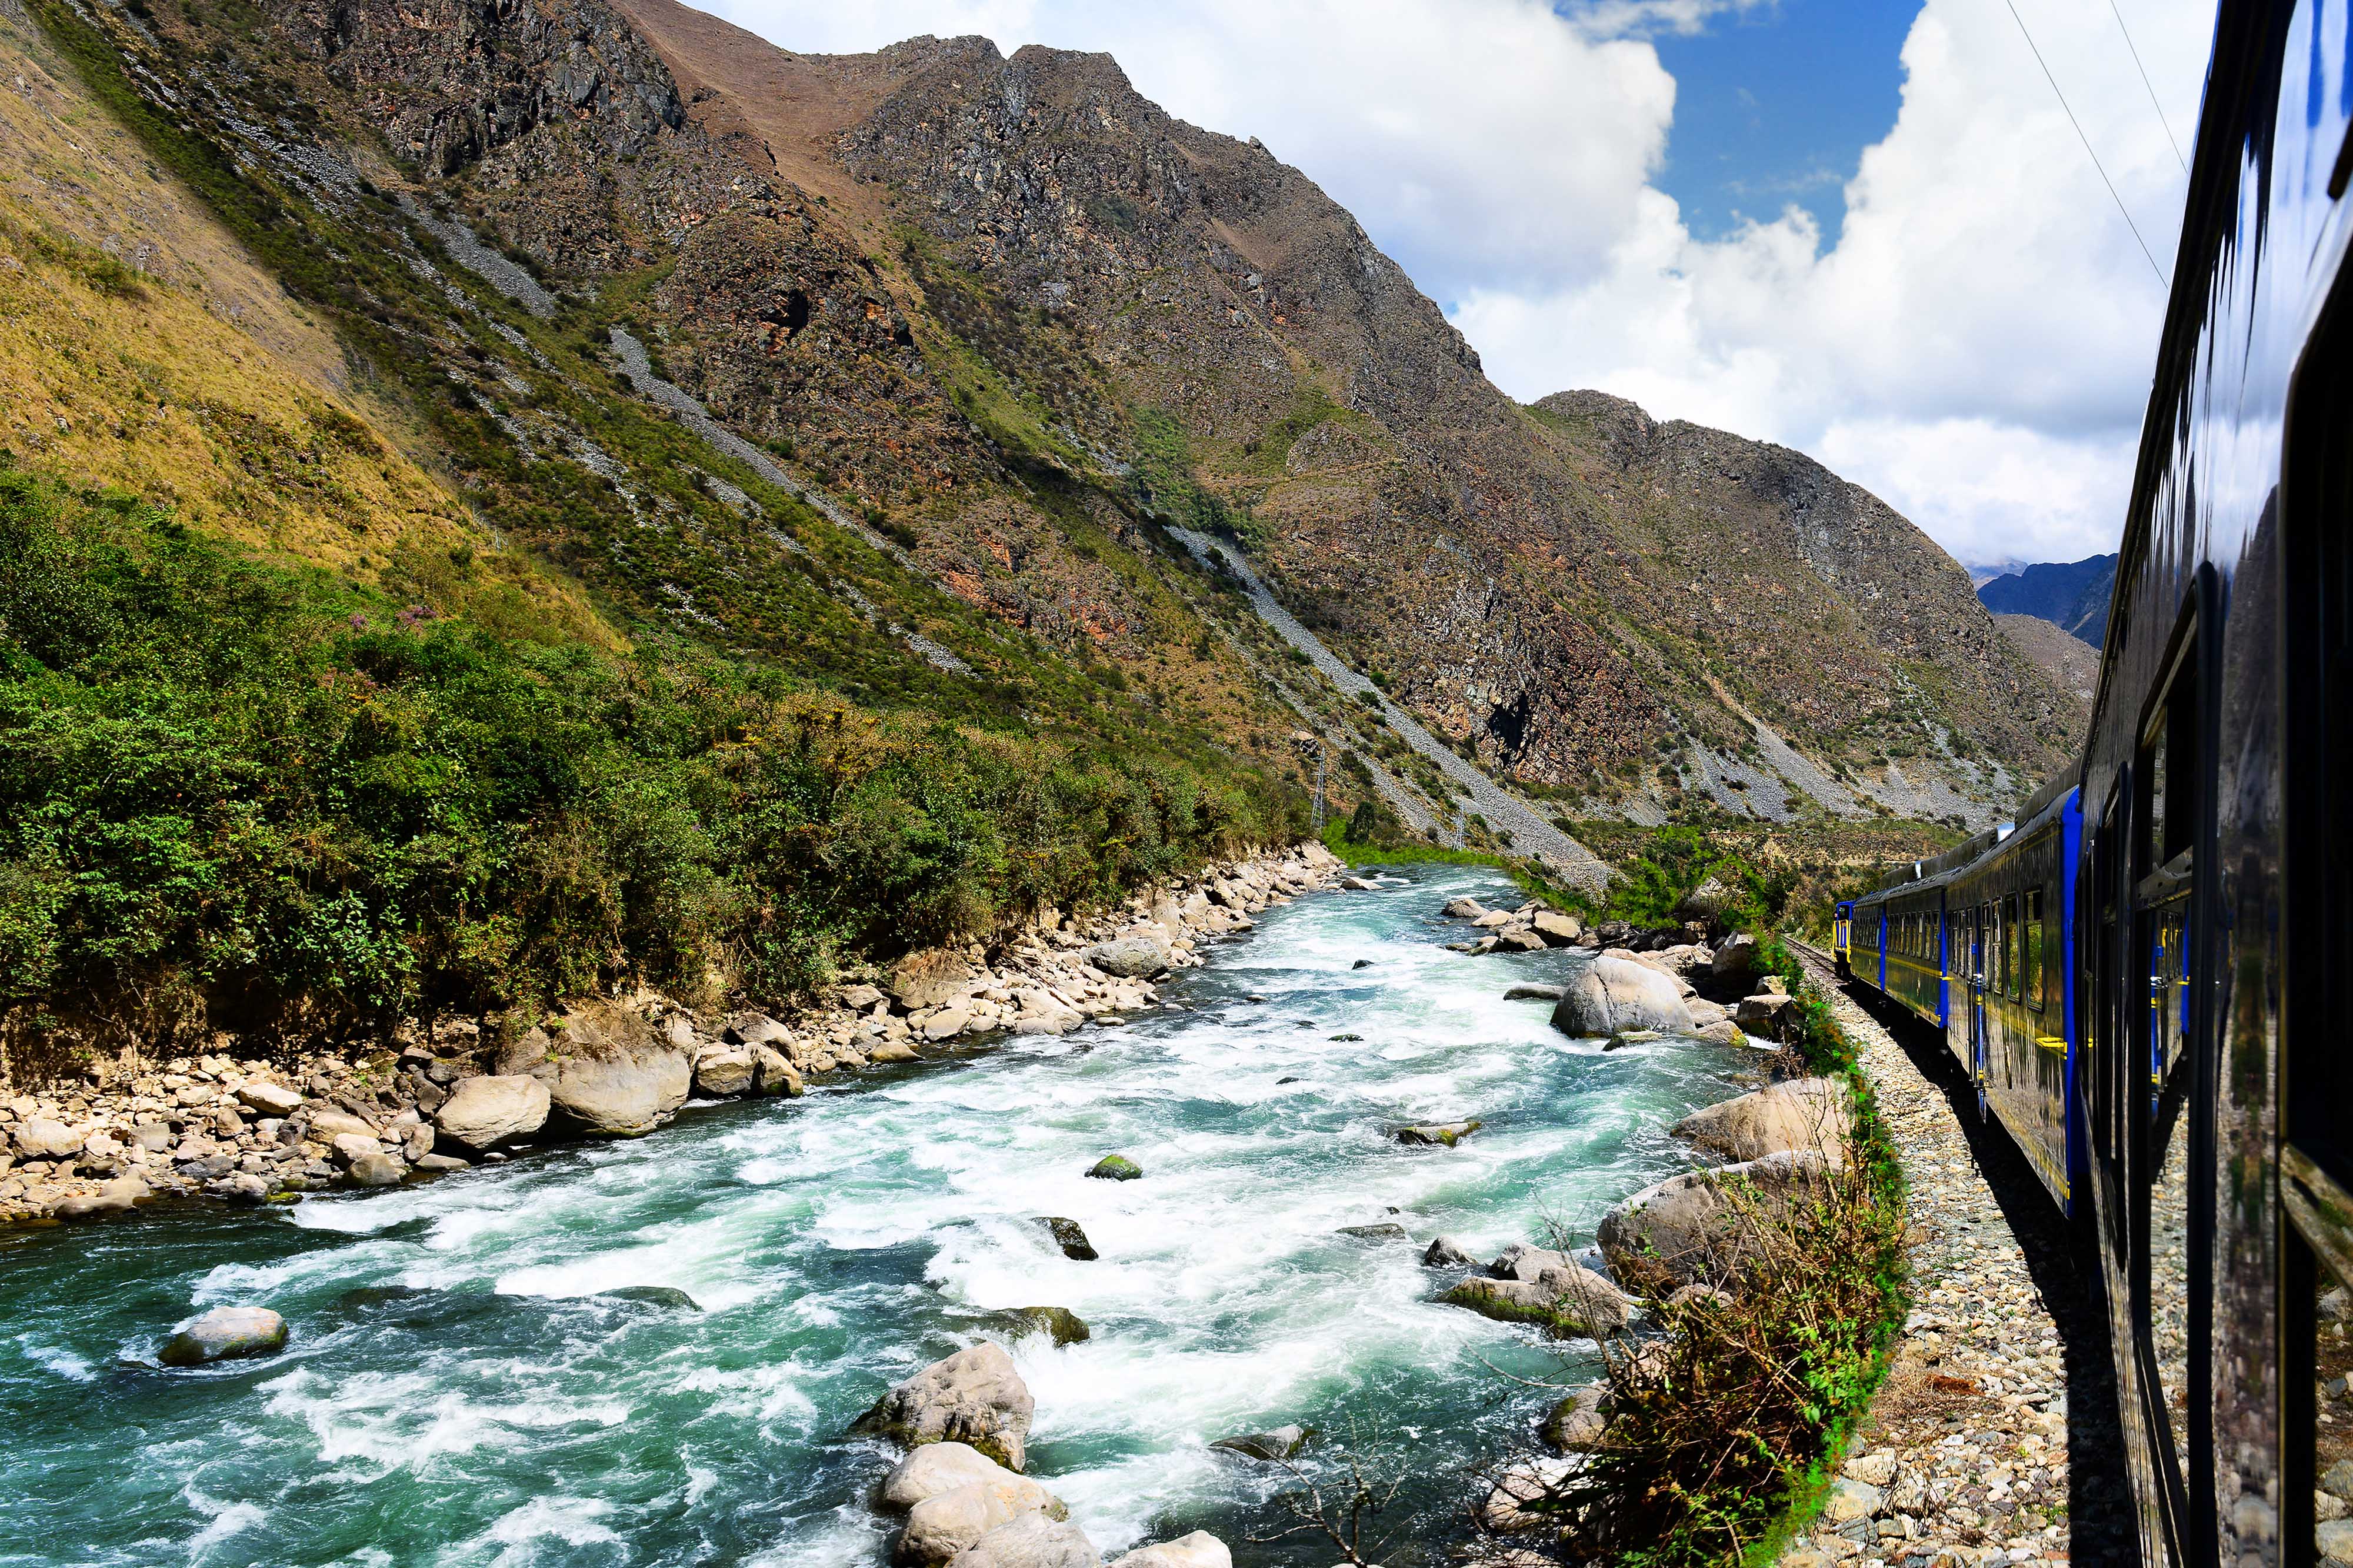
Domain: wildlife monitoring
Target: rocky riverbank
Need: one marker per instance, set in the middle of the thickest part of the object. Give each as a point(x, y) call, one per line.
point(248, 1128)
point(1962, 1459)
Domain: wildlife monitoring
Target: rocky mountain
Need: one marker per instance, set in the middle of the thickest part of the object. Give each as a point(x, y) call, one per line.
point(2068, 659)
point(2071, 595)
point(893, 368)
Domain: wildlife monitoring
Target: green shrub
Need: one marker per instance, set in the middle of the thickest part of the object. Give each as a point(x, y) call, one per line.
point(263, 797)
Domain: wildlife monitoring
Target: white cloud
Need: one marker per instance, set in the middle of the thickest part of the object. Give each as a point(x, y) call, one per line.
point(1975, 347)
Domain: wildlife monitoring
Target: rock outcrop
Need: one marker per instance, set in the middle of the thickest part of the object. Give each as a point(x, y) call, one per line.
point(1699, 1228)
point(1813, 1113)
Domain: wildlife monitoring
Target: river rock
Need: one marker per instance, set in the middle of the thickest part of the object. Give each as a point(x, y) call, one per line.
point(1448, 1253)
point(1763, 1014)
point(1687, 1229)
point(725, 1071)
point(1130, 957)
point(756, 1028)
point(1557, 929)
point(774, 1073)
point(328, 1124)
point(1069, 1239)
point(929, 977)
point(1734, 961)
point(1384, 1232)
point(1198, 1549)
point(484, 1113)
point(652, 1296)
point(1521, 1261)
point(1465, 909)
point(352, 1147)
point(1807, 1113)
point(377, 1169)
point(223, 1334)
point(1533, 992)
point(616, 1074)
point(1570, 1300)
point(937, 1467)
point(947, 1523)
point(1032, 1540)
point(1115, 1168)
point(116, 1197)
point(47, 1138)
point(1268, 1447)
point(270, 1099)
point(948, 1022)
point(1437, 1133)
point(1061, 1324)
point(1613, 995)
point(974, 1397)
point(893, 1051)
point(1576, 1422)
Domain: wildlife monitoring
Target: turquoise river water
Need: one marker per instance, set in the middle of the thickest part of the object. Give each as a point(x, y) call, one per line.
point(457, 1392)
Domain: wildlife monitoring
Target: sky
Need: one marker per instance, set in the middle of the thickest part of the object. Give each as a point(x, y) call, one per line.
point(1863, 228)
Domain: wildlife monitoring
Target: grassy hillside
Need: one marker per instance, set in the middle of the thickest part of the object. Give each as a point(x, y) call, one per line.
point(369, 649)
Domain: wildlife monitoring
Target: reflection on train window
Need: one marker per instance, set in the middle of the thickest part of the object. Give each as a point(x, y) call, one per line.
point(2033, 921)
point(2163, 896)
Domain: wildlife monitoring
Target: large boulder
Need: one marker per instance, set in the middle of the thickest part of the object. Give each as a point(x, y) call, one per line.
point(1198, 1549)
point(974, 1397)
point(937, 1467)
point(1704, 1226)
point(1807, 1113)
point(1613, 995)
point(484, 1113)
point(377, 1169)
point(1032, 1540)
point(1131, 957)
point(1465, 908)
point(929, 977)
point(945, 1524)
point(225, 1334)
point(1433, 1134)
point(1735, 961)
point(614, 1073)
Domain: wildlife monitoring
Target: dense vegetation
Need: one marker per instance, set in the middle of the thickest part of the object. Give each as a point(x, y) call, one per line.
point(278, 797)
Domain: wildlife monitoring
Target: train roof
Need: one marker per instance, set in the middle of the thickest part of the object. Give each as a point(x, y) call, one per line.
point(1918, 876)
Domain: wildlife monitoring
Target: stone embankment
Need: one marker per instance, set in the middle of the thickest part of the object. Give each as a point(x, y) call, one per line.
point(1962, 1459)
point(230, 1126)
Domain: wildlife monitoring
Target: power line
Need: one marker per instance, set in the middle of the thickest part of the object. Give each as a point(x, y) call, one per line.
point(2162, 280)
point(2153, 103)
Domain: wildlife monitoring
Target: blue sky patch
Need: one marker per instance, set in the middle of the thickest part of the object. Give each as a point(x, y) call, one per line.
point(1775, 107)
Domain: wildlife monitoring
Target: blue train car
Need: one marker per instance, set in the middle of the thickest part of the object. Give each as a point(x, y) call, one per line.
point(2150, 979)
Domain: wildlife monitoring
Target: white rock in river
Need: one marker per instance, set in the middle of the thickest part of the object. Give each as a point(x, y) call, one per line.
point(1612, 995)
point(1033, 1540)
point(1131, 957)
point(223, 1334)
point(484, 1113)
point(974, 1397)
point(1198, 1549)
point(942, 1526)
point(937, 1467)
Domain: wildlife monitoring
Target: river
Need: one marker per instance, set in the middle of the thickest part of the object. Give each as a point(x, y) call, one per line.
point(458, 1393)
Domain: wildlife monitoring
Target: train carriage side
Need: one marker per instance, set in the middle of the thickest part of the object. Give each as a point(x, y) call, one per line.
point(1868, 936)
point(1916, 949)
point(2214, 927)
point(2011, 1021)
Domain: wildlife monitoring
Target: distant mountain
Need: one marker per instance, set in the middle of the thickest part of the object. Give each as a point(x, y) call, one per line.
point(2071, 595)
point(1984, 572)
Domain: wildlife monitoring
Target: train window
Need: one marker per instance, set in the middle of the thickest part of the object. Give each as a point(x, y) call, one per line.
point(2010, 968)
point(2030, 919)
point(2316, 1416)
